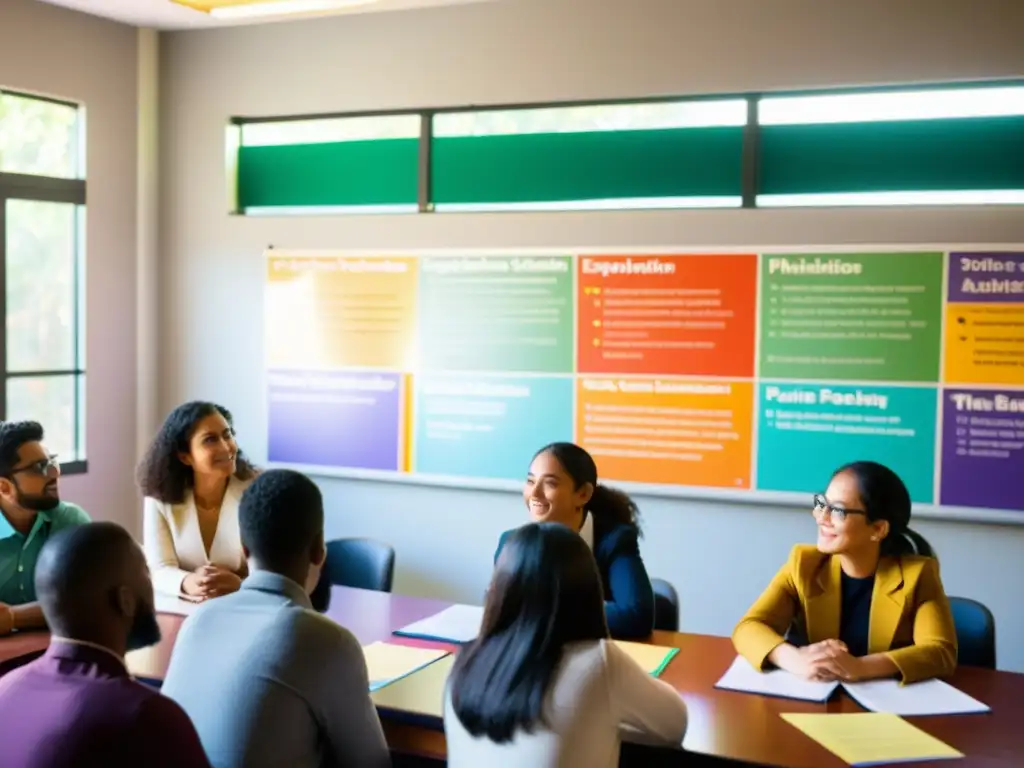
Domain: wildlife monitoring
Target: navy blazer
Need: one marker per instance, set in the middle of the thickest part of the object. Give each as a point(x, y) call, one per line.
point(628, 594)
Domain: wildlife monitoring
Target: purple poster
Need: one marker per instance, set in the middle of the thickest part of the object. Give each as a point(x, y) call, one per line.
point(986, 277)
point(331, 419)
point(982, 448)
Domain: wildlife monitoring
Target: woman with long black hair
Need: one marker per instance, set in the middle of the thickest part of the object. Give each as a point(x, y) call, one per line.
point(542, 685)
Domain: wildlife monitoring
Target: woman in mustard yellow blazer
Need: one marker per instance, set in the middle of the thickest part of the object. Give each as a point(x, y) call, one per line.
point(863, 603)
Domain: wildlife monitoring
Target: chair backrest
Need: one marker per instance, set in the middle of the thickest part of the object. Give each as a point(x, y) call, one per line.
point(666, 606)
point(920, 544)
point(975, 633)
point(361, 563)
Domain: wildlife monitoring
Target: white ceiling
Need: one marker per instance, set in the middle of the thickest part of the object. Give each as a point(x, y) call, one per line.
point(163, 14)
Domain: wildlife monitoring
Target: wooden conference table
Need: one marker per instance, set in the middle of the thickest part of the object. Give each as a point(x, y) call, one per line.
point(722, 724)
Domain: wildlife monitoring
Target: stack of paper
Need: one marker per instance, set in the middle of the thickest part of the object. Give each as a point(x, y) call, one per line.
point(741, 676)
point(932, 697)
point(653, 658)
point(456, 624)
point(387, 663)
point(871, 738)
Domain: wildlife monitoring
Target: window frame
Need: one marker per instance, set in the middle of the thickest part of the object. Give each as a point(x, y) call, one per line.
point(750, 182)
point(48, 189)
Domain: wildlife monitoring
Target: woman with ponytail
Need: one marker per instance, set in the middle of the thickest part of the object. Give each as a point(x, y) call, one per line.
point(562, 487)
point(866, 602)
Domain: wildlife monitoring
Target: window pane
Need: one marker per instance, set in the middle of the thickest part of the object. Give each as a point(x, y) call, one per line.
point(41, 256)
point(598, 117)
point(327, 130)
point(891, 105)
point(51, 401)
point(39, 137)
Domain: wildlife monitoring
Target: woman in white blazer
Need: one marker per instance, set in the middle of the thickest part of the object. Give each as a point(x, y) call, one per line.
point(192, 478)
point(543, 685)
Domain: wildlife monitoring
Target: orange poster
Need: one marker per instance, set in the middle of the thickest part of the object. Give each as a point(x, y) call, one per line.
point(667, 315)
point(667, 431)
point(335, 312)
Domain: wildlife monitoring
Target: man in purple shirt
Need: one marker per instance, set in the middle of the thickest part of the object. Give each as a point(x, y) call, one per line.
point(77, 705)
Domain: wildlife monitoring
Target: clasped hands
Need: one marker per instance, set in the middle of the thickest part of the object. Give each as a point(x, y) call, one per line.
point(210, 581)
point(827, 661)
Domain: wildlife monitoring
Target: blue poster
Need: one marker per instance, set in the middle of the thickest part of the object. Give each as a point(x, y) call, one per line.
point(487, 426)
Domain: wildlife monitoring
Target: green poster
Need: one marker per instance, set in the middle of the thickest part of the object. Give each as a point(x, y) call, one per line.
point(509, 313)
point(852, 316)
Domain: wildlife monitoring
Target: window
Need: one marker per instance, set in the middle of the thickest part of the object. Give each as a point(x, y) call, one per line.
point(951, 145)
point(939, 146)
point(684, 154)
point(42, 226)
point(331, 165)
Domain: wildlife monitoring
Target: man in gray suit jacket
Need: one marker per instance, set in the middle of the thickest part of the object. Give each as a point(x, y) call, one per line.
point(267, 681)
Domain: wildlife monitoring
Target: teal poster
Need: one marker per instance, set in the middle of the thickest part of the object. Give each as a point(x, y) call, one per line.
point(488, 426)
point(805, 431)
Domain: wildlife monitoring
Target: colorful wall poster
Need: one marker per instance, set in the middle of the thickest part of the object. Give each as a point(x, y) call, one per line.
point(753, 373)
point(851, 316)
point(807, 430)
point(496, 314)
point(487, 426)
point(667, 315)
point(667, 431)
point(985, 319)
point(335, 419)
point(982, 448)
point(338, 312)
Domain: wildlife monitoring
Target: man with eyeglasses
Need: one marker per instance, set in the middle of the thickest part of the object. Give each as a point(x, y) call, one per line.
point(30, 512)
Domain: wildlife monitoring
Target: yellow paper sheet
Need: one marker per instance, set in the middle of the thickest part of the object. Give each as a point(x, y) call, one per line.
point(871, 738)
point(386, 662)
point(652, 658)
point(421, 693)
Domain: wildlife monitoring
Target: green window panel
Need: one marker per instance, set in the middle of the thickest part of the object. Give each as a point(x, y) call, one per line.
point(587, 166)
point(377, 172)
point(914, 155)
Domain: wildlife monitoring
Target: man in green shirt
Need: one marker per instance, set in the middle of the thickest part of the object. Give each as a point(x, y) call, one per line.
point(30, 512)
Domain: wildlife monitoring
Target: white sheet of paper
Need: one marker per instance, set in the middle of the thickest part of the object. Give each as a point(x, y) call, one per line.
point(175, 605)
point(741, 676)
point(932, 697)
point(457, 624)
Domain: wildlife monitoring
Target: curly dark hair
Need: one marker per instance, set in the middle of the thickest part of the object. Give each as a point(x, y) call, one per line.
point(13, 435)
point(161, 474)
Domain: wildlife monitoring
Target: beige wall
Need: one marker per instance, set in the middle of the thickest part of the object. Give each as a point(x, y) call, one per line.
point(61, 53)
point(718, 555)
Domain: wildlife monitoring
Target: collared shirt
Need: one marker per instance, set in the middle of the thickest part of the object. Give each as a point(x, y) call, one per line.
point(587, 530)
point(18, 553)
point(269, 682)
point(76, 706)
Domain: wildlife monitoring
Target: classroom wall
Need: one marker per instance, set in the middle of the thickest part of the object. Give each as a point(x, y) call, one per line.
point(719, 556)
point(61, 53)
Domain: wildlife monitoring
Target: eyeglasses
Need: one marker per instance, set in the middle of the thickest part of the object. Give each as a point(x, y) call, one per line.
point(836, 513)
point(41, 467)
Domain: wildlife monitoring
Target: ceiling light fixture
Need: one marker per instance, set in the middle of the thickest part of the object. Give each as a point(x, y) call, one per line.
point(251, 9)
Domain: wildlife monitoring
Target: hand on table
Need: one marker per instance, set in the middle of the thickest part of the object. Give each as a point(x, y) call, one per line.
point(210, 581)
